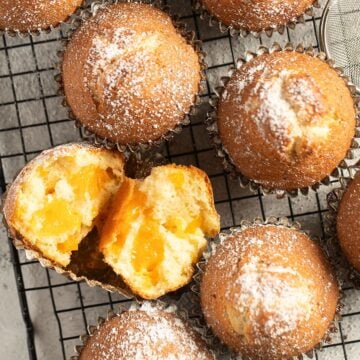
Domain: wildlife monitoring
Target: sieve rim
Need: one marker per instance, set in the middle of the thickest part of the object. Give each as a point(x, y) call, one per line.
point(323, 30)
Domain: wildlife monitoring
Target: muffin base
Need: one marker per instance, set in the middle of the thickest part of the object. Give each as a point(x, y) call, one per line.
point(280, 29)
point(344, 269)
point(284, 222)
point(142, 148)
point(211, 124)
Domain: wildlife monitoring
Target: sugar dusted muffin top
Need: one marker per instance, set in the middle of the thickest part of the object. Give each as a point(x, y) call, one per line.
point(129, 75)
point(268, 292)
point(286, 119)
point(148, 333)
point(256, 15)
point(31, 15)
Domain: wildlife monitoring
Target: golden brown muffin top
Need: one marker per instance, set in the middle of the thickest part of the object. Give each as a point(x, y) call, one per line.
point(31, 15)
point(268, 292)
point(348, 223)
point(286, 119)
point(148, 333)
point(257, 15)
point(128, 74)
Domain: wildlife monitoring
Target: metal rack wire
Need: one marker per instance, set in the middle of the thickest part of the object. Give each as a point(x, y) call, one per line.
point(33, 119)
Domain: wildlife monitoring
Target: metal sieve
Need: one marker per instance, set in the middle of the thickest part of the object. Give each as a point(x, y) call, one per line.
point(340, 36)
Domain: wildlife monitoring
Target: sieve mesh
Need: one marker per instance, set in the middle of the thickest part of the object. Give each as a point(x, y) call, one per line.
point(340, 36)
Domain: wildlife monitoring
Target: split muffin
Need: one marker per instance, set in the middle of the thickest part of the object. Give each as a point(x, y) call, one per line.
point(286, 120)
point(149, 232)
point(348, 223)
point(33, 15)
point(257, 15)
point(128, 74)
point(145, 333)
point(268, 292)
point(57, 198)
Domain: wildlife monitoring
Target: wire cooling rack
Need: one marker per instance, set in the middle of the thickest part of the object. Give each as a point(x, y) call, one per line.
point(55, 310)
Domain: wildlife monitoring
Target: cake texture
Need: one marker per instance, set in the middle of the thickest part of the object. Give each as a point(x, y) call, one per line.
point(145, 333)
point(286, 119)
point(128, 74)
point(32, 15)
point(348, 223)
point(268, 292)
point(256, 15)
point(156, 229)
point(57, 198)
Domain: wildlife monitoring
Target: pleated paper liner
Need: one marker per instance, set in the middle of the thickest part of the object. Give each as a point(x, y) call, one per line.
point(41, 31)
point(282, 222)
point(140, 148)
point(136, 305)
point(211, 124)
point(280, 29)
point(345, 270)
point(87, 263)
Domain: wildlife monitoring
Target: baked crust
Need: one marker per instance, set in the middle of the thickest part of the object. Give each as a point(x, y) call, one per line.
point(147, 333)
point(257, 15)
point(32, 15)
point(286, 120)
point(128, 74)
point(268, 292)
point(348, 222)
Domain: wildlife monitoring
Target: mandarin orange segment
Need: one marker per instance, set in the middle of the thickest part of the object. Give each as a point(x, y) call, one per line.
point(148, 250)
point(125, 209)
point(178, 179)
point(56, 218)
point(89, 180)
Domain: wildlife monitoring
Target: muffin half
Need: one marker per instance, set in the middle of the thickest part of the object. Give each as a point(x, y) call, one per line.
point(57, 198)
point(156, 229)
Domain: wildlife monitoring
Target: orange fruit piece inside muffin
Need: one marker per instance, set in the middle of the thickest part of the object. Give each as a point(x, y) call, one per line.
point(155, 230)
point(56, 199)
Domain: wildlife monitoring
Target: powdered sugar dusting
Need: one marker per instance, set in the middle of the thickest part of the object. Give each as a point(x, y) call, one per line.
point(281, 102)
point(262, 293)
point(36, 14)
point(142, 79)
point(148, 333)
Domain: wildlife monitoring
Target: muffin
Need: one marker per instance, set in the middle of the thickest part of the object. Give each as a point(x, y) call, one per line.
point(146, 333)
point(128, 74)
point(34, 15)
point(268, 292)
point(257, 15)
point(348, 223)
point(155, 230)
point(286, 120)
point(58, 196)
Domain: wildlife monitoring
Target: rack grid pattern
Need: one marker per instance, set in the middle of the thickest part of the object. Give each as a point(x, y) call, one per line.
point(33, 119)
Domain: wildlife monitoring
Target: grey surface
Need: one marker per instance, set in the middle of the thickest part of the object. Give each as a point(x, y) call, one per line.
point(44, 123)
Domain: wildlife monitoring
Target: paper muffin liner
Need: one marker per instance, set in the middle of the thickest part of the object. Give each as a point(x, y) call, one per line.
point(280, 29)
point(40, 31)
point(221, 152)
point(139, 305)
point(283, 222)
point(140, 148)
point(87, 263)
point(345, 270)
